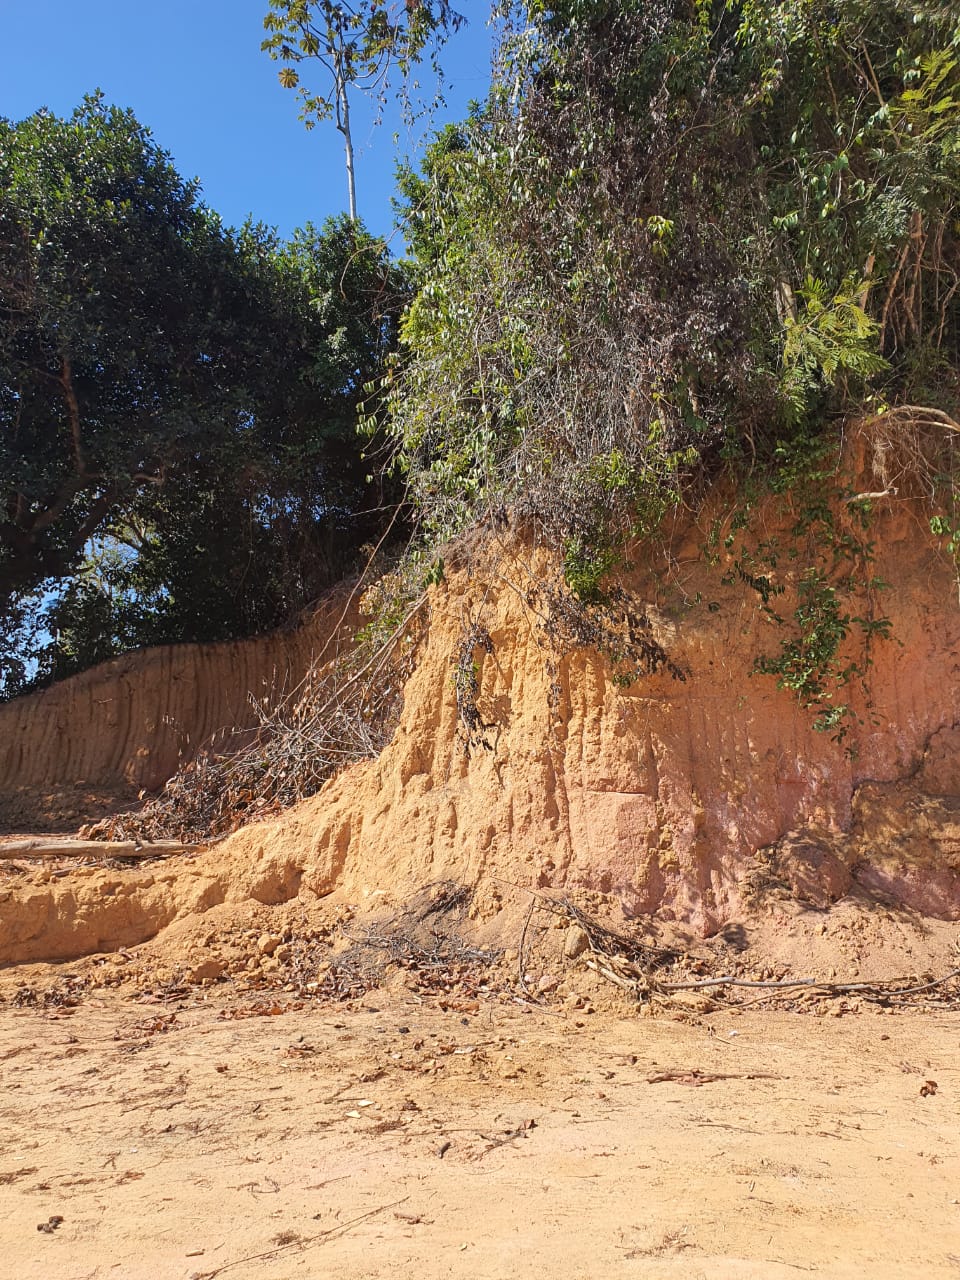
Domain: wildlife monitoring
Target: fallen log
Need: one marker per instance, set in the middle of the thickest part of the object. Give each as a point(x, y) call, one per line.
point(67, 848)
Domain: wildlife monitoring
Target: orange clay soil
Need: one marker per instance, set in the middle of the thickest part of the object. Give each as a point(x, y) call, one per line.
point(129, 723)
point(682, 799)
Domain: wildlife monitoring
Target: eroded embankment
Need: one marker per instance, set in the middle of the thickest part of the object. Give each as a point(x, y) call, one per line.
point(660, 794)
point(680, 798)
point(134, 720)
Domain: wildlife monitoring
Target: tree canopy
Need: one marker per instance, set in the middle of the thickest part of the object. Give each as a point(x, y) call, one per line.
point(177, 399)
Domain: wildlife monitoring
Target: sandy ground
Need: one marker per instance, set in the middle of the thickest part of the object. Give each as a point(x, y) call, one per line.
point(217, 1136)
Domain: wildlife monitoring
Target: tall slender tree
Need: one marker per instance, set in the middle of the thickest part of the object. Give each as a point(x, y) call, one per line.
point(358, 45)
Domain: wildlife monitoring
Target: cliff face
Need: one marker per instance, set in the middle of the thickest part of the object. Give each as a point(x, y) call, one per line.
point(134, 720)
point(683, 798)
point(663, 793)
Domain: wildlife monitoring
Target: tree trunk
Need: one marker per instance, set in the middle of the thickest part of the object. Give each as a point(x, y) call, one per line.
point(343, 124)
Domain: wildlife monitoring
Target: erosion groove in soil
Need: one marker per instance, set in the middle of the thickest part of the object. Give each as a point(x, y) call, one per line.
point(132, 721)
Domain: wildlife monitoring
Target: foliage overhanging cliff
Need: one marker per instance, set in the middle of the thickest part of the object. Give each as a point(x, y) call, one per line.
point(678, 237)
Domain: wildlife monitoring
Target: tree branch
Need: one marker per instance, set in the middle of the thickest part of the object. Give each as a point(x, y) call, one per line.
point(73, 416)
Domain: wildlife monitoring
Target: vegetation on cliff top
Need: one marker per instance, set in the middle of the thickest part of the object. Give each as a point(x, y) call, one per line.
point(679, 235)
point(680, 239)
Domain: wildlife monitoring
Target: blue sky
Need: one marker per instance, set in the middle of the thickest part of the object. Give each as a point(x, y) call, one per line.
point(192, 71)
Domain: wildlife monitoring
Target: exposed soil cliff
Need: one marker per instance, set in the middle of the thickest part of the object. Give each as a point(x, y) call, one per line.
point(689, 799)
point(662, 793)
point(132, 721)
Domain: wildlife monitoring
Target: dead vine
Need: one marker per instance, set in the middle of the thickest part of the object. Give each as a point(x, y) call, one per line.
point(473, 728)
point(618, 628)
point(912, 447)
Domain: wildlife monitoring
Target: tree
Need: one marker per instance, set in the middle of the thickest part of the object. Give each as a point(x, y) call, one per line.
point(131, 330)
point(178, 401)
point(358, 45)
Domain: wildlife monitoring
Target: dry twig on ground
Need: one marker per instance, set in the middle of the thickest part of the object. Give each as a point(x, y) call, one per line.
point(422, 941)
point(638, 968)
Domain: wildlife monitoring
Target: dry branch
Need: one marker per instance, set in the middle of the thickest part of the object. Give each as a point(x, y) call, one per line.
point(637, 967)
point(298, 1245)
point(344, 710)
point(11, 849)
